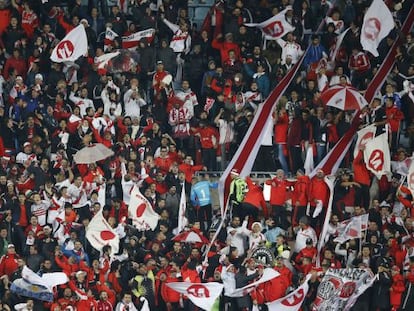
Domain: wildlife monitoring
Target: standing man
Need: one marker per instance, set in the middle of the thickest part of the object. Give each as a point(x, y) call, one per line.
point(278, 196)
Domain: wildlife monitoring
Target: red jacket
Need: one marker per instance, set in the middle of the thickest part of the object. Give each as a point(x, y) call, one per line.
point(163, 164)
point(361, 173)
point(123, 212)
point(255, 196)
point(168, 294)
point(278, 194)
point(189, 170)
point(17, 63)
point(67, 268)
point(360, 62)
point(209, 137)
point(318, 191)
point(310, 252)
point(281, 129)
point(301, 191)
point(275, 288)
point(114, 282)
point(394, 116)
point(398, 288)
point(225, 47)
point(8, 264)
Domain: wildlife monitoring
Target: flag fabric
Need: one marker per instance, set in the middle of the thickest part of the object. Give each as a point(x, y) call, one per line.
point(353, 229)
point(274, 27)
point(141, 212)
point(292, 301)
point(109, 39)
point(340, 288)
point(38, 287)
point(377, 155)
point(268, 274)
point(71, 47)
point(364, 135)
point(378, 22)
point(329, 180)
point(132, 40)
point(338, 43)
point(99, 233)
point(182, 219)
point(203, 295)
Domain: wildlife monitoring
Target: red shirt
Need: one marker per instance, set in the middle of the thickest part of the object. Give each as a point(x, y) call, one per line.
point(278, 192)
point(281, 129)
point(360, 62)
point(208, 137)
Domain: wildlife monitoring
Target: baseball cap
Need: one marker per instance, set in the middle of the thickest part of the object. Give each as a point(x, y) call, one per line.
point(10, 246)
point(39, 76)
point(235, 171)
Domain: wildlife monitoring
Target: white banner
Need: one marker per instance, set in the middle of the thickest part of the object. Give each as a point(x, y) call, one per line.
point(377, 155)
point(340, 288)
point(133, 40)
point(364, 135)
point(293, 301)
point(274, 27)
point(110, 36)
point(99, 233)
point(378, 22)
point(72, 46)
point(141, 212)
point(203, 295)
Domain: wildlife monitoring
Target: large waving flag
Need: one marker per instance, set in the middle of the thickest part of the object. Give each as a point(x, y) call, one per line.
point(99, 233)
point(364, 135)
point(203, 295)
point(378, 23)
point(268, 274)
point(274, 27)
point(292, 301)
point(141, 212)
point(377, 155)
point(72, 46)
point(132, 41)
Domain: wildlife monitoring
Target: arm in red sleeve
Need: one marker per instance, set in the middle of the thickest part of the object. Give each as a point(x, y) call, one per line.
point(68, 27)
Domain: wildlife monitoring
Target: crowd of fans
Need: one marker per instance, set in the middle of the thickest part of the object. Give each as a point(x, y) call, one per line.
point(163, 132)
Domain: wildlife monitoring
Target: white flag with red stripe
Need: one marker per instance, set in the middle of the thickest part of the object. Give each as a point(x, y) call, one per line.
point(141, 212)
point(274, 27)
point(132, 40)
point(99, 233)
point(293, 301)
point(71, 47)
point(378, 22)
point(377, 155)
point(110, 36)
point(203, 295)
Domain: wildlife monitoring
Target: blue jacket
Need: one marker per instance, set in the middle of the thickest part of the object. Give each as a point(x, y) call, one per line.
point(314, 54)
point(200, 193)
point(263, 82)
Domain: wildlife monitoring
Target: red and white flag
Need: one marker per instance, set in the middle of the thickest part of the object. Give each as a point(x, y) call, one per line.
point(274, 27)
point(377, 155)
point(203, 295)
point(71, 47)
point(378, 22)
point(132, 41)
point(268, 274)
point(293, 301)
point(99, 233)
point(110, 36)
point(182, 219)
point(141, 212)
point(353, 228)
point(364, 135)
